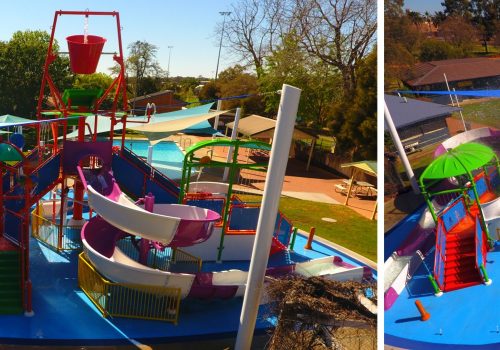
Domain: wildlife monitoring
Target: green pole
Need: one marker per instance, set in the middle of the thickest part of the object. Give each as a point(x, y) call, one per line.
point(184, 177)
point(483, 224)
point(232, 166)
point(437, 291)
point(485, 274)
point(294, 235)
point(429, 204)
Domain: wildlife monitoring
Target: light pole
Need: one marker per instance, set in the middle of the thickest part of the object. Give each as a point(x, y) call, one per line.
point(220, 44)
point(168, 66)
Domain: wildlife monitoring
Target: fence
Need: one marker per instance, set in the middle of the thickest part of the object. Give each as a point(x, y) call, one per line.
point(165, 259)
point(128, 300)
point(60, 237)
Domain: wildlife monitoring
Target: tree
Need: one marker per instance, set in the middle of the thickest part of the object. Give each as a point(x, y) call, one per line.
point(209, 92)
point(144, 71)
point(321, 84)
point(22, 60)
point(235, 81)
point(435, 50)
point(459, 8)
point(96, 81)
point(253, 29)
point(338, 32)
point(486, 14)
point(355, 118)
point(401, 44)
point(460, 33)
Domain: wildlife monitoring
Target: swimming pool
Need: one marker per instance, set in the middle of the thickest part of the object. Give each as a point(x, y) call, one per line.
point(167, 156)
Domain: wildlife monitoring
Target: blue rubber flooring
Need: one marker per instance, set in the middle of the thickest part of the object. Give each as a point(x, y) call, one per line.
point(65, 316)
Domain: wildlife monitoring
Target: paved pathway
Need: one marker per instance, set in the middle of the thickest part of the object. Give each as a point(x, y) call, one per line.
point(315, 185)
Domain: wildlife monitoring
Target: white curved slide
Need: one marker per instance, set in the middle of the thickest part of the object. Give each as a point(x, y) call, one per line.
point(170, 224)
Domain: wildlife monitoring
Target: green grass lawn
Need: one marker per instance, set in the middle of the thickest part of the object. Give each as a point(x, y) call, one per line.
point(351, 230)
point(483, 112)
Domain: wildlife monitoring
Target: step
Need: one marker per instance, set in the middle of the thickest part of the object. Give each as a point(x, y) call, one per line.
point(467, 256)
point(454, 242)
point(460, 264)
point(463, 278)
point(11, 309)
point(460, 250)
point(455, 286)
point(462, 269)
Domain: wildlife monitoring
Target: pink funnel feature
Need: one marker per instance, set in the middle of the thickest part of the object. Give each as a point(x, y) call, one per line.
point(84, 56)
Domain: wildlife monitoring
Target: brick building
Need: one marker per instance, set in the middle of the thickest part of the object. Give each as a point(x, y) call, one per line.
point(462, 74)
point(164, 101)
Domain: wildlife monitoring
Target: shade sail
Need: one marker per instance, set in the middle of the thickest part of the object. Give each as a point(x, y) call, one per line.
point(160, 130)
point(8, 120)
point(458, 161)
point(256, 126)
point(161, 125)
point(366, 166)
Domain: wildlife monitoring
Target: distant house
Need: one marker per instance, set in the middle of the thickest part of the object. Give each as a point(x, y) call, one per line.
point(163, 100)
point(419, 123)
point(462, 74)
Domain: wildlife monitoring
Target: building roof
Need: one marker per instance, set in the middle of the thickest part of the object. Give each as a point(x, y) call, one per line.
point(408, 111)
point(261, 127)
point(428, 73)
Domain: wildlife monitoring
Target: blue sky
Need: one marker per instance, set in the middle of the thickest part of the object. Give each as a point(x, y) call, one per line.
point(186, 25)
point(424, 5)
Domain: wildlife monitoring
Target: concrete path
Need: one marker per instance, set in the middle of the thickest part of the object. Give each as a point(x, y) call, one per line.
point(315, 185)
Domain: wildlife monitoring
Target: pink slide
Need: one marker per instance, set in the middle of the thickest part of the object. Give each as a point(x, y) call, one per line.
point(175, 225)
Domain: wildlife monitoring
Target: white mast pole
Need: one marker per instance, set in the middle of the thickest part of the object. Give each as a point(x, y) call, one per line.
point(401, 150)
point(274, 183)
point(234, 135)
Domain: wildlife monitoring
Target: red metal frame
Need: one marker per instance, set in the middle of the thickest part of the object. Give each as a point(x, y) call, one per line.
point(119, 81)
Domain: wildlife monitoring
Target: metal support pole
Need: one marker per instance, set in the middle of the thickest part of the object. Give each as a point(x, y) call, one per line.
point(274, 183)
point(401, 150)
point(234, 135)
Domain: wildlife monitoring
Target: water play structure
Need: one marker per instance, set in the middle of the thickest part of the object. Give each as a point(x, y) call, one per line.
point(440, 261)
point(117, 243)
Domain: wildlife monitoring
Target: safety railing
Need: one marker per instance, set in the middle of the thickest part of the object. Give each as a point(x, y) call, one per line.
point(60, 237)
point(481, 248)
point(243, 217)
point(163, 258)
point(207, 201)
point(128, 300)
point(186, 142)
point(440, 255)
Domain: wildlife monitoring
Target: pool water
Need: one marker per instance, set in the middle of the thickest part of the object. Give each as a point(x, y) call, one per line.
point(167, 156)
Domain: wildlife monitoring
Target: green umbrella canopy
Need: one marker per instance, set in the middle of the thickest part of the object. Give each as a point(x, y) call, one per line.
point(9, 153)
point(458, 161)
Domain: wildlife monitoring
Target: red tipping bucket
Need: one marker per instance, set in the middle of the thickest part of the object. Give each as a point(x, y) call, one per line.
point(84, 57)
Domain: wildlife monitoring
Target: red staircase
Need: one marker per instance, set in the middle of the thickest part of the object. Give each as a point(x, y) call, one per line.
point(460, 258)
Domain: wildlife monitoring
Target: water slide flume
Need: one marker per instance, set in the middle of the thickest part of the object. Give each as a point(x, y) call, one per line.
point(174, 225)
point(99, 244)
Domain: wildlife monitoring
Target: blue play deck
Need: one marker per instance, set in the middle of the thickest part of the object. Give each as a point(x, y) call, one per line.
point(64, 315)
point(461, 319)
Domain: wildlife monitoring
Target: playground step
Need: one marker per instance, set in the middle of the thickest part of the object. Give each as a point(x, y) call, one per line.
point(10, 283)
point(463, 276)
point(455, 286)
point(11, 309)
point(461, 249)
point(452, 258)
point(464, 237)
point(460, 270)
